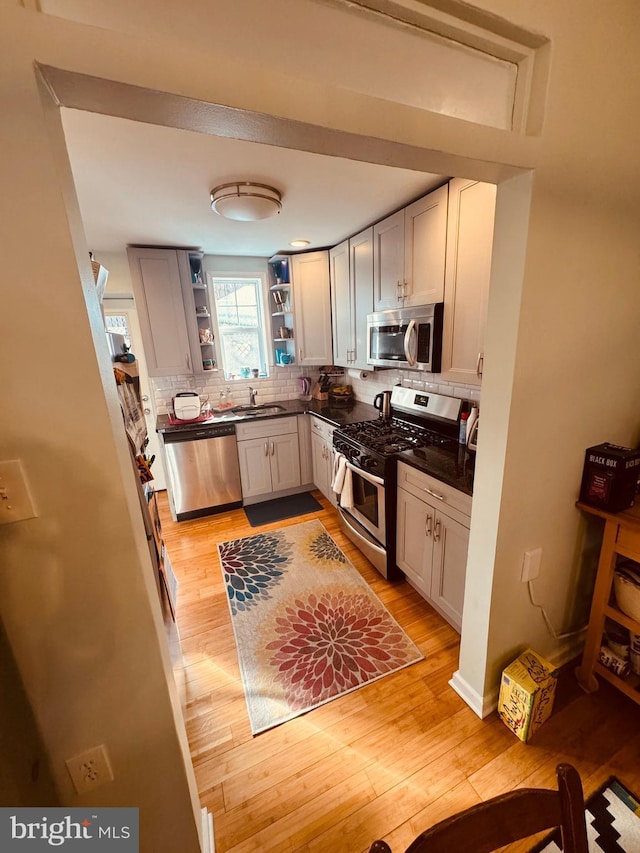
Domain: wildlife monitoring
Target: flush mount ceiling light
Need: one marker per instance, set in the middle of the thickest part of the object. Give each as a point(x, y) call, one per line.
point(299, 244)
point(245, 201)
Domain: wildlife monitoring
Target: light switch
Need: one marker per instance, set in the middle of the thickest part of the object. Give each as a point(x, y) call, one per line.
point(15, 499)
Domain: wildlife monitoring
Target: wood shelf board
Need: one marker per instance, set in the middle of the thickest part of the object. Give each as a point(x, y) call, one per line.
point(622, 619)
point(629, 516)
point(630, 686)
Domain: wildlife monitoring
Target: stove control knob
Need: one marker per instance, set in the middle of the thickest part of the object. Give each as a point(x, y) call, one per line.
point(367, 462)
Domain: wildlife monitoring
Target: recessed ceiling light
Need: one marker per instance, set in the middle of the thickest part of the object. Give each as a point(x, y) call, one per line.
point(299, 244)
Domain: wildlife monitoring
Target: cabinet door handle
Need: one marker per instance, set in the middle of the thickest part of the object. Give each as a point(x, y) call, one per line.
point(273, 448)
point(300, 353)
point(266, 448)
point(398, 290)
point(479, 364)
point(428, 525)
point(188, 360)
point(436, 531)
point(434, 494)
point(405, 288)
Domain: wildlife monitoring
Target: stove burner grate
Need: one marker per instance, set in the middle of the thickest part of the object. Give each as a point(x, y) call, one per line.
point(388, 437)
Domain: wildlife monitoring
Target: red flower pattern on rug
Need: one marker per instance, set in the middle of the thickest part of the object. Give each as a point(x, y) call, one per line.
point(331, 643)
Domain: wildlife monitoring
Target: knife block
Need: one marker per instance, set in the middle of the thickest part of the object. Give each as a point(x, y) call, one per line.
point(317, 394)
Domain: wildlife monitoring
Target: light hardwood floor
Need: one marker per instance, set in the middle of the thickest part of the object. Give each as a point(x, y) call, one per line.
point(386, 761)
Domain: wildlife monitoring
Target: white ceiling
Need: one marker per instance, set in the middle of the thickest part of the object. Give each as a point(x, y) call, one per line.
point(145, 184)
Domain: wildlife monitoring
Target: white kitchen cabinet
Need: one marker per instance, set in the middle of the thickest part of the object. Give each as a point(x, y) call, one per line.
point(269, 457)
point(432, 540)
point(323, 456)
point(161, 311)
point(468, 270)
point(174, 311)
point(341, 310)
point(409, 254)
point(388, 262)
point(351, 273)
point(312, 308)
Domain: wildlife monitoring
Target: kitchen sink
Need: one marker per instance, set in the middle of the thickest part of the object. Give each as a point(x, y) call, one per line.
point(264, 409)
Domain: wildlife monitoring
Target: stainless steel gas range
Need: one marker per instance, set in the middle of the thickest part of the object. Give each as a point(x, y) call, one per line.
point(422, 429)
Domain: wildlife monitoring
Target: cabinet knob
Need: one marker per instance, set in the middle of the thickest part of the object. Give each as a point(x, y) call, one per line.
point(145, 397)
point(147, 411)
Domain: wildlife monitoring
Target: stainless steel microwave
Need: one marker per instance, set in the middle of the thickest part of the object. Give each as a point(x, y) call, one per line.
point(406, 338)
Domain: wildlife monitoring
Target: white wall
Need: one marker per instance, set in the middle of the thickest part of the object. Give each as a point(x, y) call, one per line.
point(76, 595)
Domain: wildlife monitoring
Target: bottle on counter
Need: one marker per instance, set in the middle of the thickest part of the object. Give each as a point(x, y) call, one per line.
point(473, 416)
point(464, 420)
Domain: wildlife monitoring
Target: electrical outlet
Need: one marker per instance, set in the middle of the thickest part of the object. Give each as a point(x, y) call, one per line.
point(90, 769)
point(531, 564)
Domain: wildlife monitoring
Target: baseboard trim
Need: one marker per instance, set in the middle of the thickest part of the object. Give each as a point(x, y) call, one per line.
point(208, 840)
point(567, 658)
point(481, 705)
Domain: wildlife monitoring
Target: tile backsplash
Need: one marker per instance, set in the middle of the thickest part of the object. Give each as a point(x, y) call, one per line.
point(282, 384)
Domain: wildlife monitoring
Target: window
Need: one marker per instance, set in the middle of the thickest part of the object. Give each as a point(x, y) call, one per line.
point(119, 324)
point(241, 329)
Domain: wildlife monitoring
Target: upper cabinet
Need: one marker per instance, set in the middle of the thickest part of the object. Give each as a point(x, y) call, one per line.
point(468, 269)
point(174, 310)
point(158, 293)
point(312, 308)
point(351, 268)
point(409, 254)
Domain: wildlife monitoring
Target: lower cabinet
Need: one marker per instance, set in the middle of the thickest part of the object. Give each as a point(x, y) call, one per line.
point(322, 455)
point(433, 539)
point(269, 457)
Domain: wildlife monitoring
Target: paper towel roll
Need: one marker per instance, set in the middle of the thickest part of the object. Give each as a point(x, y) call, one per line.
point(358, 374)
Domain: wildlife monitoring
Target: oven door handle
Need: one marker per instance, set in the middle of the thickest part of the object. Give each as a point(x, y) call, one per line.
point(411, 358)
point(366, 475)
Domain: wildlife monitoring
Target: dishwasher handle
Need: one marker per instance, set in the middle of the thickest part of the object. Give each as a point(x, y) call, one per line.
point(190, 434)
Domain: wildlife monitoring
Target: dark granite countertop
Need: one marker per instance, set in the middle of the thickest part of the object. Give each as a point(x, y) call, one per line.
point(335, 415)
point(455, 469)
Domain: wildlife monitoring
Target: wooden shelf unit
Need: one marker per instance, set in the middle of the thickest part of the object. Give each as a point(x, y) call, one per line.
point(621, 538)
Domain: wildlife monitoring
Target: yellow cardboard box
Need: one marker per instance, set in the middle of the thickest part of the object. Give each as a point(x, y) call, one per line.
point(527, 691)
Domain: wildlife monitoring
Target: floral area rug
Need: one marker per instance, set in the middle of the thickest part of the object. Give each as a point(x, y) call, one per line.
point(308, 628)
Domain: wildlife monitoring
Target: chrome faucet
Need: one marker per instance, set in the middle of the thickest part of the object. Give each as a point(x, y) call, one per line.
point(252, 396)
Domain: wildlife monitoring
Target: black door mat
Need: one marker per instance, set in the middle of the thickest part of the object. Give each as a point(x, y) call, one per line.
point(280, 508)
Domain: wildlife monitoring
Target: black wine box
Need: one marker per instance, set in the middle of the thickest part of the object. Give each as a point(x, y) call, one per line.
point(610, 476)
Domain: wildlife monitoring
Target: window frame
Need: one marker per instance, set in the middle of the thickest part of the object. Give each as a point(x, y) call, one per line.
point(264, 318)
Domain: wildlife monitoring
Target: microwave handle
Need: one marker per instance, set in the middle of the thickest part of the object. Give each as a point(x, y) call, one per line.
point(411, 359)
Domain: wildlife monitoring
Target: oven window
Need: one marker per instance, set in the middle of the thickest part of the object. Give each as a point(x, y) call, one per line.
point(387, 342)
point(365, 499)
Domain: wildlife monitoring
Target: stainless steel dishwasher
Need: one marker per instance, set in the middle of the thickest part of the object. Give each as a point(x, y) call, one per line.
point(202, 470)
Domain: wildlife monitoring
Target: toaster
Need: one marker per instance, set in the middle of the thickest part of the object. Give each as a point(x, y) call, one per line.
point(186, 406)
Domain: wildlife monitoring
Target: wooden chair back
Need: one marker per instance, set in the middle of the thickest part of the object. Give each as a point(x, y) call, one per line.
point(510, 817)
